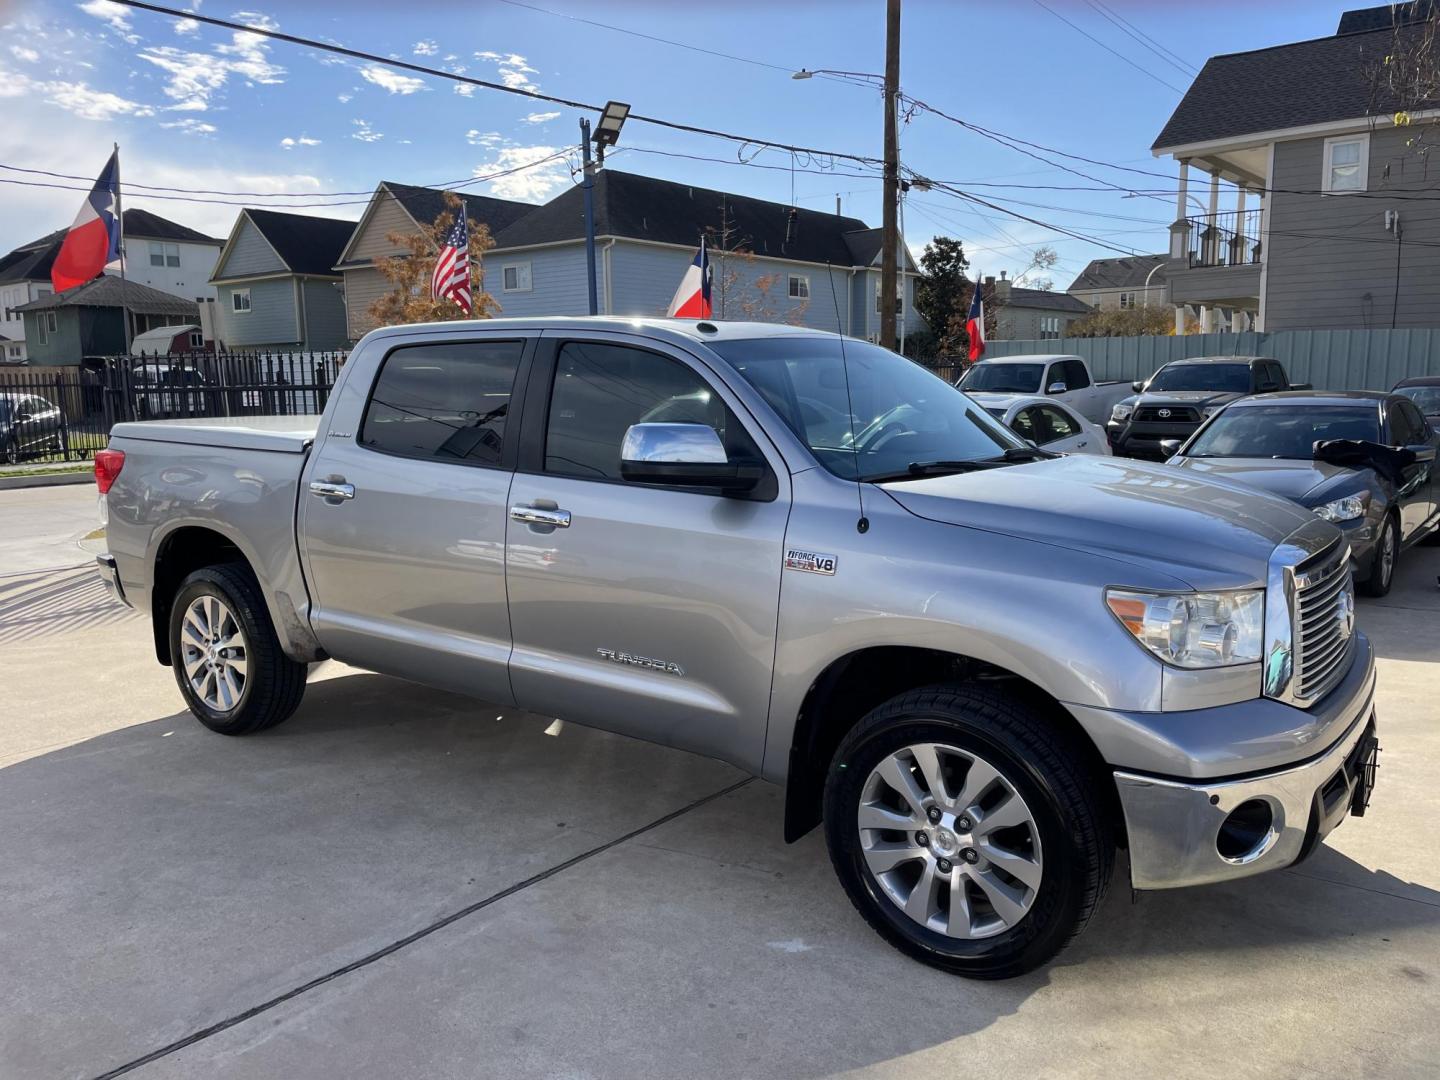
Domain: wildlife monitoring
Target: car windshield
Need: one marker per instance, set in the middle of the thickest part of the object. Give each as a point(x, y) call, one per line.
point(867, 413)
point(1282, 431)
point(1426, 398)
point(1004, 378)
point(1222, 378)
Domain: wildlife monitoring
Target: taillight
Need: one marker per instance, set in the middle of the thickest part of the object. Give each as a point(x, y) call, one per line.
point(108, 464)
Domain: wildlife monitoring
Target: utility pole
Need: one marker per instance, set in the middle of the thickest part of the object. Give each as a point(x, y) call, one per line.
point(589, 186)
point(890, 238)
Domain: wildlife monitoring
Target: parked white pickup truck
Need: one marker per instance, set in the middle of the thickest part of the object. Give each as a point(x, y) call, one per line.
point(1065, 377)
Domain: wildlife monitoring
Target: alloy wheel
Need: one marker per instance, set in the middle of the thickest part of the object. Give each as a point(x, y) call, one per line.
point(214, 653)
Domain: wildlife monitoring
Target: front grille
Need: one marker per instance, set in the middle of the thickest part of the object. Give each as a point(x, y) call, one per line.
point(1175, 414)
point(1324, 622)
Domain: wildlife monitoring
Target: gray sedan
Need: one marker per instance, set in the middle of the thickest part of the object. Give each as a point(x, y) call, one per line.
point(1383, 502)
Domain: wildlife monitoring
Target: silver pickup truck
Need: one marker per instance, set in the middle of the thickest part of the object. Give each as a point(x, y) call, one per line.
point(986, 668)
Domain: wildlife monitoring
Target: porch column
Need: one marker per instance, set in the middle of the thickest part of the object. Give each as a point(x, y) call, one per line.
point(1179, 320)
point(1240, 240)
point(1180, 230)
point(1184, 191)
point(1237, 321)
point(1210, 242)
point(1204, 319)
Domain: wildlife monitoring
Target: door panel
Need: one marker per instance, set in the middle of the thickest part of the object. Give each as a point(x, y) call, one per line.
point(1407, 428)
point(408, 575)
point(653, 612)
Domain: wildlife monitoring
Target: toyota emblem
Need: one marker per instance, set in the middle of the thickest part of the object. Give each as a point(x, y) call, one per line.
point(1163, 414)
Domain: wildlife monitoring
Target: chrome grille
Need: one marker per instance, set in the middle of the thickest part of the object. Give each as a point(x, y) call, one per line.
point(1174, 414)
point(1324, 622)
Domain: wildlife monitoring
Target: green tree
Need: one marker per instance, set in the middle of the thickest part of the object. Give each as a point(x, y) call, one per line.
point(942, 292)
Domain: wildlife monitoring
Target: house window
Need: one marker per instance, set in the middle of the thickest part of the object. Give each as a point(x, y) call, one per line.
point(14, 351)
point(240, 300)
point(1127, 301)
point(799, 287)
point(197, 339)
point(164, 254)
point(48, 324)
point(515, 277)
point(899, 297)
point(1049, 326)
point(1347, 163)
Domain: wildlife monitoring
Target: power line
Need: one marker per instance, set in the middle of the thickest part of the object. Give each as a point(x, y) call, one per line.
point(438, 73)
point(1144, 39)
point(1097, 41)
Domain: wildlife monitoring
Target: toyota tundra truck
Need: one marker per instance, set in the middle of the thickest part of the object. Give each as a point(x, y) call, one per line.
point(983, 667)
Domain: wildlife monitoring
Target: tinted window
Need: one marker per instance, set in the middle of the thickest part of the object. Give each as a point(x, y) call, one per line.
point(1056, 424)
point(1004, 378)
point(1025, 426)
point(1283, 431)
point(446, 401)
point(1407, 427)
point(600, 390)
point(1426, 397)
point(1075, 375)
point(1220, 378)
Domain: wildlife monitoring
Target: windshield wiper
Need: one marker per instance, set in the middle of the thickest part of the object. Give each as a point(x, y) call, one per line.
point(1015, 454)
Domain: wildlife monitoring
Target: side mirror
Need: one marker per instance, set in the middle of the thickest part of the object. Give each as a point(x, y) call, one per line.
point(1056, 387)
point(1302, 386)
point(1169, 447)
point(1137, 387)
point(684, 455)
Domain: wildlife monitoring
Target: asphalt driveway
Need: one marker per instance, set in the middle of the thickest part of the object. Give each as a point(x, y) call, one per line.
point(400, 882)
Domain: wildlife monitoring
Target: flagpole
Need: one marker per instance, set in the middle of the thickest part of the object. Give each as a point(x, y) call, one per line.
point(127, 318)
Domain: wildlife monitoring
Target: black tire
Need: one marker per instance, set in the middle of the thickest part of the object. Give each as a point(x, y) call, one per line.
point(273, 685)
point(1382, 575)
point(12, 452)
point(1042, 762)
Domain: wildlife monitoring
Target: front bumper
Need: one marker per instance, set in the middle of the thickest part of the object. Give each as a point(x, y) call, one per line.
point(1183, 833)
point(105, 564)
point(1139, 439)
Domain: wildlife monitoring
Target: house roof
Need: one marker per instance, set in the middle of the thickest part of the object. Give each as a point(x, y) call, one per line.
point(1131, 271)
point(1385, 16)
point(426, 204)
point(643, 208)
point(305, 244)
point(142, 223)
point(29, 264)
point(111, 291)
point(1285, 86)
point(1045, 300)
point(32, 261)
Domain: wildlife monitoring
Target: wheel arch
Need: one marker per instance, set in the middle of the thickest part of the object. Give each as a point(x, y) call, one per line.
point(179, 553)
point(854, 684)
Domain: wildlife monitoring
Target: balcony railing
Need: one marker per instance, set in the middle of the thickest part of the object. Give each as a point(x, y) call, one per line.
point(1228, 239)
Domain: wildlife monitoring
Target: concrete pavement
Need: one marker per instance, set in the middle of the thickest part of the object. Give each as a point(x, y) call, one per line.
point(400, 882)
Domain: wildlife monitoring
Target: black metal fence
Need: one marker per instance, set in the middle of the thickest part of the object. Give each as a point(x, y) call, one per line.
point(65, 414)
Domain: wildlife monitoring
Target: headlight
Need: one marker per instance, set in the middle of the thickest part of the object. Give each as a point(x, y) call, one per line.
point(1121, 412)
point(1210, 410)
point(1194, 630)
point(1347, 509)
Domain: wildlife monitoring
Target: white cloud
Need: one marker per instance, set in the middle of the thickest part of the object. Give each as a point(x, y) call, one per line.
point(539, 117)
point(535, 184)
point(187, 26)
point(392, 81)
point(20, 52)
point(190, 126)
point(464, 89)
point(488, 139)
point(514, 70)
point(364, 132)
point(114, 15)
point(196, 77)
point(426, 48)
point(91, 104)
point(343, 98)
point(303, 140)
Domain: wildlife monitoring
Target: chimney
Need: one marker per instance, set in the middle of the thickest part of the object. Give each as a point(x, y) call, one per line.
point(1002, 289)
point(837, 206)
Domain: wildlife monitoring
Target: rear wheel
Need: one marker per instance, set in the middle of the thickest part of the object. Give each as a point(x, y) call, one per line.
point(1387, 554)
point(12, 451)
point(226, 656)
point(966, 831)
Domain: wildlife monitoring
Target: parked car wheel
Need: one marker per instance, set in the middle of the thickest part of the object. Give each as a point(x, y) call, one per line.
point(966, 831)
point(226, 656)
point(12, 451)
point(1387, 554)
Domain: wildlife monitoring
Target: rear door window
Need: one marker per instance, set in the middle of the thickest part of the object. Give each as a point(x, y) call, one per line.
point(1407, 427)
point(448, 401)
point(1055, 424)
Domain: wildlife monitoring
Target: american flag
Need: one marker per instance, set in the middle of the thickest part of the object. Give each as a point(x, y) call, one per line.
point(452, 267)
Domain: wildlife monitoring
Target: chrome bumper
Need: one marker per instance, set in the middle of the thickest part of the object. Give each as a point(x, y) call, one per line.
point(111, 576)
point(1175, 828)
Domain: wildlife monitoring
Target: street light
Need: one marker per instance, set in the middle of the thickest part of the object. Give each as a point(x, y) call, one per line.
point(806, 73)
point(607, 131)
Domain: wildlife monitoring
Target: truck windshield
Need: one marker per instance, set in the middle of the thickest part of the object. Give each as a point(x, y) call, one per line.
point(1282, 431)
point(1004, 378)
point(868, 413)
point(1426, 398)
point(1219, 378)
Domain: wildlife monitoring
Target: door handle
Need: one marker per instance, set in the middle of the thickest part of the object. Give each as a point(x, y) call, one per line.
point(535, 515)
point(328, 489)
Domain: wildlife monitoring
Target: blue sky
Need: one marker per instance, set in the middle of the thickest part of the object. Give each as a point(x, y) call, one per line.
point(199, 107)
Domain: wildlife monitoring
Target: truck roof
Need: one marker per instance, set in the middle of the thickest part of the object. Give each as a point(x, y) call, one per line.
point(1217, 360)
point(1030, 358)
point(701, 330)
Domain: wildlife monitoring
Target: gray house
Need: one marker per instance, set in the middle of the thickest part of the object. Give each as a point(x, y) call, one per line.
point(276, 284)
point(1018, 314)
point(1131, 281)
point(1326, 230)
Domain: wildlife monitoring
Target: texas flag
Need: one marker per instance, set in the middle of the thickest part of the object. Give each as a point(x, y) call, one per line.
point(93, 242)
point(975, 323)
point(692, 298)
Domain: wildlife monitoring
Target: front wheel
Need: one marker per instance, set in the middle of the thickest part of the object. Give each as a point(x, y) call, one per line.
point(226, 655)
point(966, 830)
point(12, 452)
point(1387, 554)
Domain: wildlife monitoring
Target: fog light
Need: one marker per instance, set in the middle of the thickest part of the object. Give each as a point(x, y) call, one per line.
point(1247, 832)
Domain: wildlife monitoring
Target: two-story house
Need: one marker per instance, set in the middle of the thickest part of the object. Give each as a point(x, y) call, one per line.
point(276, 284)
point(1342, 230)
point(1123, 284)
point(1020, 314)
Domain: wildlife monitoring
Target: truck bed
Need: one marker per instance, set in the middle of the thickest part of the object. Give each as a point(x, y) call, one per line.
point(281, 434)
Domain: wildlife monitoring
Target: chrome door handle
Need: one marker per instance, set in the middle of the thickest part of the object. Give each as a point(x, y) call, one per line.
point(327, 489)
point(535, 515)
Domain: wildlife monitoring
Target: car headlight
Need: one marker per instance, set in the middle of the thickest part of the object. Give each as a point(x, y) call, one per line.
point(1210, 410)
point(1194, 630)
point(1347, 509)
point(1121, 412)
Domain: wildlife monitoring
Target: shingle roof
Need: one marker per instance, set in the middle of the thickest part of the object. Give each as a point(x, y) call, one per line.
point(150, 226)
point(110, 291)
point(1045, 300)
point(29, 264)
point(1385, 16)
point(32, 261)
point(307, 245)
point(1286, 86)
point(1123, 273)
point(644, 208)
point(426, 204)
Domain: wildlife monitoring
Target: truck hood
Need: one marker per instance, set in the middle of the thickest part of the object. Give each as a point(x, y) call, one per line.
point(1195, 398)
point(1292, 478)
point(1209, 533)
